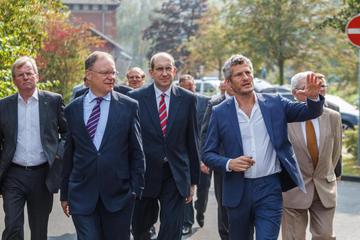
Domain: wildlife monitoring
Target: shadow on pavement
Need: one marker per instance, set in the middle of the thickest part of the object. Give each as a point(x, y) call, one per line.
point(66, 236)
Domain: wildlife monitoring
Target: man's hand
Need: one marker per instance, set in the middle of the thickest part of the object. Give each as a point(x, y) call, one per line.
point(241, 164)
point(312, 87)
point(189, 198)
point(204, 169)
point(66, 208)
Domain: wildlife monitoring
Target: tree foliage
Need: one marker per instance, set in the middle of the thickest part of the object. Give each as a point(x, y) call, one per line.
point(62, 55)
point(173, 24)
point(210, 47)
point(273, 31)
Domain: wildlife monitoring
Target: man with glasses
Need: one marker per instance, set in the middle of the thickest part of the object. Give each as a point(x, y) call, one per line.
point(135, 77)
point(32, 136)
point(104, 161)
point(170, 140)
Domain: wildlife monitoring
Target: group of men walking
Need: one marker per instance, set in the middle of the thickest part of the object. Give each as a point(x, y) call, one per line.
point(124, 159)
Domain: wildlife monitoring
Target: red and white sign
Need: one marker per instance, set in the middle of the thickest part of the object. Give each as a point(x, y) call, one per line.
point(353, 30)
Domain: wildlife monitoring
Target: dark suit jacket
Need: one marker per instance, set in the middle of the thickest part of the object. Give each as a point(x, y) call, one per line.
point(117, 88)
point(224, 131)
point(52, 133)
point(113, 172)
point(179, 147)
point(201, 104)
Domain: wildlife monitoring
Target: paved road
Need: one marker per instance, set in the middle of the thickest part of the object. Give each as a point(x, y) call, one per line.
point(347, 218)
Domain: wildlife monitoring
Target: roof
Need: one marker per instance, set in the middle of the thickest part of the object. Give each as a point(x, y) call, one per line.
point(112, 42)
point(102, 2)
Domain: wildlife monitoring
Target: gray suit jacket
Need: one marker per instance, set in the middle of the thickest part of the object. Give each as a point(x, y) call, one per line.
point(52, 133)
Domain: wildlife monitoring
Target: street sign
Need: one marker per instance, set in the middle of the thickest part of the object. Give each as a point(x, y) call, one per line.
point(353, 30)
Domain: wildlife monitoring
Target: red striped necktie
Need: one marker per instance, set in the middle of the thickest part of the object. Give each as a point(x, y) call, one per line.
point(163, 114)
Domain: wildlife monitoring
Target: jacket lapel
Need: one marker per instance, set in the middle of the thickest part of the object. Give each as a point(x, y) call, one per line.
point(43, 113)
point(113, 116)
point(323, 130)
point(234, 121)
point(150, 102)
point(175, 101)
point(266, 112)
point(12, 112)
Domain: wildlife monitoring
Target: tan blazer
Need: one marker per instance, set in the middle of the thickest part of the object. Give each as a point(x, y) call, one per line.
point(322, 177)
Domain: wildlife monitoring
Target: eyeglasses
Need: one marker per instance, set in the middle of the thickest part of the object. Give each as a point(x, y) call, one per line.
point(136, 77)
point(106, 73)
point(323, 86)
point(26, 74)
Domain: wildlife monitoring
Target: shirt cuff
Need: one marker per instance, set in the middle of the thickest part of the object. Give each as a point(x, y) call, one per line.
point(227, 165)
point(315, 100)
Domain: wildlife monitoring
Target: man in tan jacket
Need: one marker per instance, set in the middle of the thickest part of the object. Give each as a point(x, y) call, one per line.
point(317, 147)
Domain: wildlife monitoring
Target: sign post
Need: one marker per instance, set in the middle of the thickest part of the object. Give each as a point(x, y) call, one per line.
point(353, 33)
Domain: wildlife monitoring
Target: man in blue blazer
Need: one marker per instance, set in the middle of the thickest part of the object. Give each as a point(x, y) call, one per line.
point(170, 138)
point(103, 160)
point(258, 159)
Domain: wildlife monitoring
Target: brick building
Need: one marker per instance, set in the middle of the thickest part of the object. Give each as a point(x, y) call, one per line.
point(102, 14)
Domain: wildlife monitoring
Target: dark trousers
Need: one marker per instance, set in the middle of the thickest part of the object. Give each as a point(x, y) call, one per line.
point(22, 186)
point(202, 194)
point(222, 215)
point(260, 207)
point(171, 212)
point(104, 225)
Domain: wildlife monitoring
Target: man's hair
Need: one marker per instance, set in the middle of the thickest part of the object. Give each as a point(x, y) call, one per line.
point(237, 59)
point(136, 69)
point(94, 56)
point(185, 77)
point(296, 79)
point(21, 62)
point(161, 54)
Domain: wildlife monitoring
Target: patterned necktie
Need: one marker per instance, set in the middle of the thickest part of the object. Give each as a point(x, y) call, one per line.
point(311, 142)
point(163, 114)
point(94, 118)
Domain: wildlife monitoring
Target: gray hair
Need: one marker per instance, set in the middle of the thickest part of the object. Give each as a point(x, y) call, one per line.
point(136, 69)
point(94, 56)
point(185, 77)
point(296, 79)
point(237, 59)
point(161, 54)
point(21, 62)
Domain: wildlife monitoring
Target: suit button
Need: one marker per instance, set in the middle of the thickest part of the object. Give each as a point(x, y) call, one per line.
point(165, 159)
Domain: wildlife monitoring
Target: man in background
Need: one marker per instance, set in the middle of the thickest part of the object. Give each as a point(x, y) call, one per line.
point(135, 77)
point(317, 147)
point(32, 136)
point(186, 81)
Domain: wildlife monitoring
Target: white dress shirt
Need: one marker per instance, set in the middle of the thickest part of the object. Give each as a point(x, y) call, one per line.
point(316, 125)
point(256, 143)
point(89, 103)
point(167, 93)
point(29, 150)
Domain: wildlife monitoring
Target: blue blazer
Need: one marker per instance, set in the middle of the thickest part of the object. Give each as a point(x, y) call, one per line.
point(180, 145)
point(224, 131)
point(113, 172)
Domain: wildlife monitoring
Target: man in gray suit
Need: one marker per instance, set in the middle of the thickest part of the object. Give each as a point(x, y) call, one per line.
point(32, 127)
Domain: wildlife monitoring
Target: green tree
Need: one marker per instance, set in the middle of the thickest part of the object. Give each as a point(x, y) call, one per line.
point(21, 33)
point(172, 25)
point(273, 31)
point(211, 45)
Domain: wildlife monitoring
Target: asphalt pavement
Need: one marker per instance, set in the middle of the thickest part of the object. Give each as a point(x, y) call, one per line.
point(347, 218)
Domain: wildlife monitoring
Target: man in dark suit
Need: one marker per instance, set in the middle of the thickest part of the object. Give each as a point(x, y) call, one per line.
point(103, 160)
point(258, 158)
point(31, 122)
point(186, 81)
point(170, 139)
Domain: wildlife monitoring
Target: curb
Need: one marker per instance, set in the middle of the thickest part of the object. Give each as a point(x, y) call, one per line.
point(350, 178)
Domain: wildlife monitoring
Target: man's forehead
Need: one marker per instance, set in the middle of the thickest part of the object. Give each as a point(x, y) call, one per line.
point(162, 60)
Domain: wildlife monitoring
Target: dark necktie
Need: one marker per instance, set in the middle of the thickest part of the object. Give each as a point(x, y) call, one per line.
point(311, 142)
point(163, 114)
point(93, 120)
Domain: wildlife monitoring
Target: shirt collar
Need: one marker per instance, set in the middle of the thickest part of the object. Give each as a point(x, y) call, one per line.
point(158, 92)
point(255, 107)
point(90, 97)
point(34, 96)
